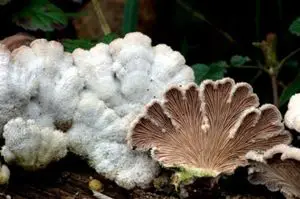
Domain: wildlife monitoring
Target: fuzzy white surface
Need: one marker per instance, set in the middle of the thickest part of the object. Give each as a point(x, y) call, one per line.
point(121, 78)
point(292, 116)
point(31, 146)
point(100, 90)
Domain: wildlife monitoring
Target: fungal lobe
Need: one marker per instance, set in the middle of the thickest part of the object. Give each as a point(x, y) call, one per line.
point(210, 127)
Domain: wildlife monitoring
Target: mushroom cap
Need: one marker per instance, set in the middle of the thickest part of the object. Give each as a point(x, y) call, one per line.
point(210, 127)
point(278, 169)
point(31, 146)
point(4, 174)
point(17, 40)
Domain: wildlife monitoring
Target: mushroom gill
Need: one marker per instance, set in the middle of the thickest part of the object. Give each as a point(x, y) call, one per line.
point(207, 129)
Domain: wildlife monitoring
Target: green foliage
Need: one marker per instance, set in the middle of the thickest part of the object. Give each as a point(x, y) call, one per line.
point(293, 88)
point(4, 2)
point(295, 27)
point(200, 70)
point(214, 71)
point(109, 38)
point(291, 64)
point(41, 15)
point(184, 47)
point(217, 70)
point(237, 60)
point(130, 16)
point(71, 44)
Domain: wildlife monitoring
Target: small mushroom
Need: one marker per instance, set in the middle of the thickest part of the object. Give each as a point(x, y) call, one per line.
point(95, 185)
point(4, 174)
point(17, 40)
point(278, 169)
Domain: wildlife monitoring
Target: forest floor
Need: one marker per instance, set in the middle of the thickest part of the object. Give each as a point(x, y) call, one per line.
point(69, 178)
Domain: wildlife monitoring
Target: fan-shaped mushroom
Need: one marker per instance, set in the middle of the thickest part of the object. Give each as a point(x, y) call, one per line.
point(208, 129)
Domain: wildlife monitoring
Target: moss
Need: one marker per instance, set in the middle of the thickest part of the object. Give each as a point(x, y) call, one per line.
point(160, 182)
point(186, 174)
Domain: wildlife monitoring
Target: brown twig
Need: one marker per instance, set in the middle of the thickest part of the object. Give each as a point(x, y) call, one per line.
point(282, 85)
point(101, 18)
point(258, 74)
point(275, 89)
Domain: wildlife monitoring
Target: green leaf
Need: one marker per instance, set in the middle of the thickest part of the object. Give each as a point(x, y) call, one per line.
point(200, 70)
point(71, 44)
point(238, 60)
point(130, 16)
point(214, 71)
point(295, 27)
point(292, 89)
point(41, 15)
point(292, 64)
point(220, 64)
point(184, 47)
point(109, 38)
point(76, 14)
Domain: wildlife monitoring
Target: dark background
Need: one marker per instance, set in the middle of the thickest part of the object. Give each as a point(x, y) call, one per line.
point(202, 41)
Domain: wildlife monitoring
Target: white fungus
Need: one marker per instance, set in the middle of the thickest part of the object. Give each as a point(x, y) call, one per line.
point(92, 95)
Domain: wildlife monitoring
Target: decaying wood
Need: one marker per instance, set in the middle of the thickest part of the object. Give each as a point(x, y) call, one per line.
point(67, 179)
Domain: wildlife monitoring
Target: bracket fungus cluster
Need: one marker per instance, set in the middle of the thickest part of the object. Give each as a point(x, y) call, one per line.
point(209, 128)
point(92, 103)
point(51, 100)
point(278, 168)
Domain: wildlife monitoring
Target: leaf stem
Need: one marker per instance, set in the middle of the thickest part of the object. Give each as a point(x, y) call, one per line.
point(202, 18)
point(254, 67)
point(258, 74)
point(286, 58)
point(101, 18)
point(257, 18)
point(282, 85)
point(130, 16)
point(275, 89)
point(280, 15)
